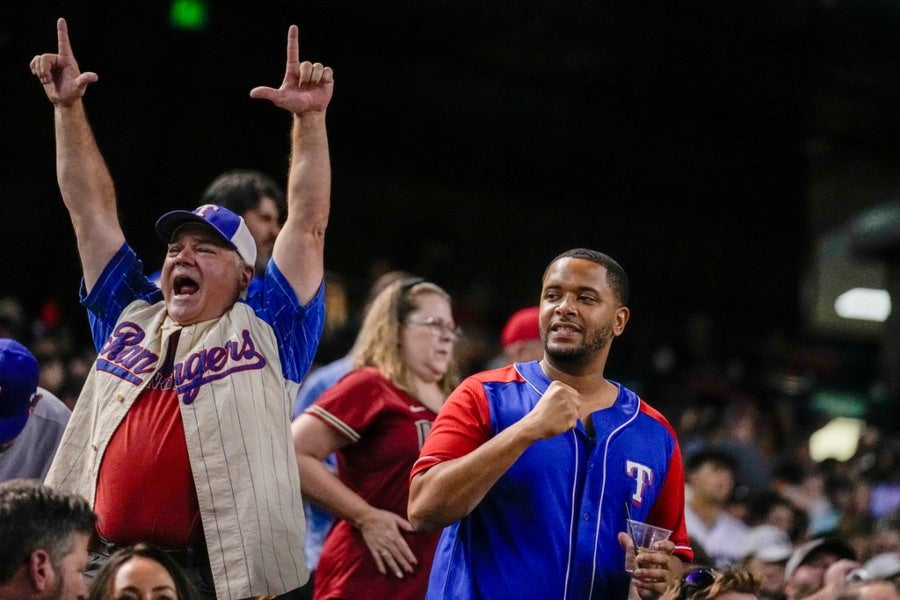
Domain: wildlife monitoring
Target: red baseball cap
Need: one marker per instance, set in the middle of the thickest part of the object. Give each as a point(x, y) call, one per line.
point(521, 326)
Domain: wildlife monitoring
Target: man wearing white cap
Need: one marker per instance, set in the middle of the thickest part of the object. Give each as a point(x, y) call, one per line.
point(818, 569)
point(181, 436)
point(765, 554)
point(32, 420)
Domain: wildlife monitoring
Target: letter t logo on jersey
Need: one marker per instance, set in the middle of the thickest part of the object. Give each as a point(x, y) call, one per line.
point(643, 476)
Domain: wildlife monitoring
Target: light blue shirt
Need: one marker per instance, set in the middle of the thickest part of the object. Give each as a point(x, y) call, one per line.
point(318, 521)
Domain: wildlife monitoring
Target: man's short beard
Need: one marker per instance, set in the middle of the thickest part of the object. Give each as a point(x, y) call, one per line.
point(585, 352)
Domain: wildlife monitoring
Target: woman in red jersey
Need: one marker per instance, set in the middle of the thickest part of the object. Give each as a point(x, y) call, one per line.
point(375, 419)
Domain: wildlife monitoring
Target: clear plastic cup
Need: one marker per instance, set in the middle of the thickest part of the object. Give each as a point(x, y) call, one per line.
point(644, 536)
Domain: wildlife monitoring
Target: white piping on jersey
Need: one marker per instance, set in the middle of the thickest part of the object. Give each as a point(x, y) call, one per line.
point(572, 518)
point(603, 488)
point(572, 511)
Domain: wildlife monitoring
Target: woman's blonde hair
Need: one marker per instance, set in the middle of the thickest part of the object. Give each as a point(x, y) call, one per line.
point(378, 342)
point(735, 578)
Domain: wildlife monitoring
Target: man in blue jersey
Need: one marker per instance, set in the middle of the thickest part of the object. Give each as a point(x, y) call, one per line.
point(533, 468)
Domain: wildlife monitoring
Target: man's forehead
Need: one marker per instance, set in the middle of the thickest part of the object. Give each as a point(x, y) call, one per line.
point(820, 559)
point(585, 273)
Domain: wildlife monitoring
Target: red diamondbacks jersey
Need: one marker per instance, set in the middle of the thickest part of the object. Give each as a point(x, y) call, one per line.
point(386, 428)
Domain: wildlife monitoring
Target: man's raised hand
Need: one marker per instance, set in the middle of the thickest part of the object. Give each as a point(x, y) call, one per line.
point(63, 82)
point(307, 86)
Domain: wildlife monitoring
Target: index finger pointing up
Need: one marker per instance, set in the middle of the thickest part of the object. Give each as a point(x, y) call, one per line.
point(62, 38)
point(293, 46)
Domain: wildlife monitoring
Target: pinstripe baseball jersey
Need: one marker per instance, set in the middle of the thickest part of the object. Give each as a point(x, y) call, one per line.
point(548, 527)
point(236, 377)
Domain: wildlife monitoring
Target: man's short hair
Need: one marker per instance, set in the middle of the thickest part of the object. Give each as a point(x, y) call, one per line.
point(34, 516)
point(240, 190)
point(615, 274)
point(719, 458)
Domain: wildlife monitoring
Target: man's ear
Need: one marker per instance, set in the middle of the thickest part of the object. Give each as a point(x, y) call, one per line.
point(246, 277)
point(622, 314)
point(35, 398)
point(41, 574)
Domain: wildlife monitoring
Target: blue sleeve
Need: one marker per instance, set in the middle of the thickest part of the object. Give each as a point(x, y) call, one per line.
point(298, 329)
point(121, 283)
point(311, 389)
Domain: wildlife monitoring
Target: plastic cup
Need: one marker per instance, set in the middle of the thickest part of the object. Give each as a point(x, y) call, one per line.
point(644, 536)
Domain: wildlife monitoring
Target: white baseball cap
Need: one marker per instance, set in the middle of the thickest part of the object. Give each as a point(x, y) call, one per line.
point(768, 543)
point(804, 552)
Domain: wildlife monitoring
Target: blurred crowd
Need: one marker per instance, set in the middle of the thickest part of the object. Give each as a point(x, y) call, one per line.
point(757, 498)
point(63, 350)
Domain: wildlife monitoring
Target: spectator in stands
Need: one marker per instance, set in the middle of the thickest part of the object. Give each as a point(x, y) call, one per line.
point(765, 555)
point(521, 336)
point(32, 420)
point(709, 474)
point(375, 419)
point(318, 520)
point(141, 572)
point(260, 201)
point(44, 536)
point(818, 569)
point(733, 583)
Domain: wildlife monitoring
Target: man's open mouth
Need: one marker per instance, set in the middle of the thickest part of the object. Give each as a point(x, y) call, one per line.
point(184, 285)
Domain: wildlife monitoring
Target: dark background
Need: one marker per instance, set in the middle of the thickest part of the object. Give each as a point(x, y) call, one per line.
point(708, 146)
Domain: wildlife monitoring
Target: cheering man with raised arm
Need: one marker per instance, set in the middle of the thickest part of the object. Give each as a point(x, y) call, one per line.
point(181, 435)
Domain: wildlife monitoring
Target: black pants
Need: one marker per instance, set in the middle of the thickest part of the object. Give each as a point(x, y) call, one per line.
point(302, 593)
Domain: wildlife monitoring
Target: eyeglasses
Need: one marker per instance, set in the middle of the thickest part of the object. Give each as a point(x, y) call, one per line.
point(439, 327)
point(696, 580)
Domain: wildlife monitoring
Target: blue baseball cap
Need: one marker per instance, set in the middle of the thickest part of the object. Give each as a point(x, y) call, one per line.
point(231, 227)
point(18, 384)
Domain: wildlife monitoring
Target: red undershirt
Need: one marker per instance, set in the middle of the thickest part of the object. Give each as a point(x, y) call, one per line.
point(145, 490)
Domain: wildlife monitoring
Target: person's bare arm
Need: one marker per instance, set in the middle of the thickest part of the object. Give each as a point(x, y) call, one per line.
point(84, 179)
point(835, 580)
point(313, 442)
point(305, 92)
point(449, 491)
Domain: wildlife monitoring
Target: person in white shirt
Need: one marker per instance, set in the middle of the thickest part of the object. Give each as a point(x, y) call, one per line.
point(710, 478)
